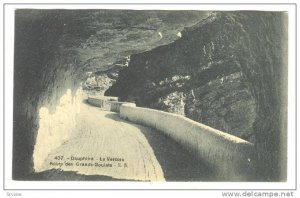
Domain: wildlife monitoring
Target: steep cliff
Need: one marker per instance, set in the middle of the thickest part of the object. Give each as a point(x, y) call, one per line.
point(229, 71)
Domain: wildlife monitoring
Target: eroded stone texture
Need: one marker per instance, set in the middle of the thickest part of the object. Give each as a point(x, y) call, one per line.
point(225, 71)
point(230, 70)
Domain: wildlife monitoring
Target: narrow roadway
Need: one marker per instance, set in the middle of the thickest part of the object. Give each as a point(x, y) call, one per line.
point(103, 144)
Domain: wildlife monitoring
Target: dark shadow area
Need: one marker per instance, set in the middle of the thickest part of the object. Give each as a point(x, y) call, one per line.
point(116, 117)
point(85, 101)
point(177, 163)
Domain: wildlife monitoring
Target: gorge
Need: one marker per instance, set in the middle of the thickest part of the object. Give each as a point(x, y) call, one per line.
point(227, 70)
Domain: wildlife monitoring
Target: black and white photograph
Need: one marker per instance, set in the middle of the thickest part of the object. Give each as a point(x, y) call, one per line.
point(150, 95)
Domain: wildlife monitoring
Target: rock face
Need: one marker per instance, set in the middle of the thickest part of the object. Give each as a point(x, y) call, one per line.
point(228, 71)
point(225, 71)
point(56, 51)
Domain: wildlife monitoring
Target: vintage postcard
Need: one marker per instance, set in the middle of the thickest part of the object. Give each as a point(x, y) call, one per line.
point(150, 95)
